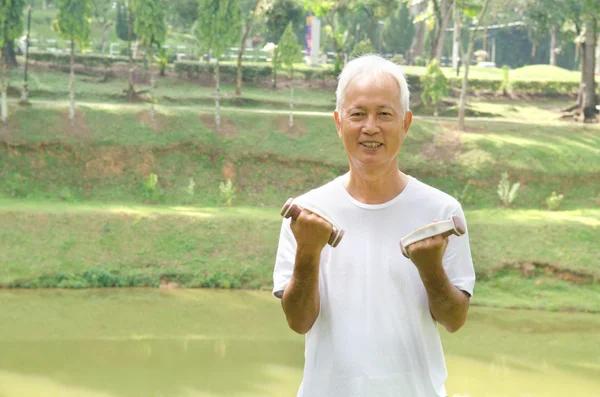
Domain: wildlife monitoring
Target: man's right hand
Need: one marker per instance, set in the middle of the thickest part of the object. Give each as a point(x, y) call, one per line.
point(311, 232)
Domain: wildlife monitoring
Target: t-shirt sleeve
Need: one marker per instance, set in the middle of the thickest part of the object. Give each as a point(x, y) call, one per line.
point(284, 259)
point(457, 260)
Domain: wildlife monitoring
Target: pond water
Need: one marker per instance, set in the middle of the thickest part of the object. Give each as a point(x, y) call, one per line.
point(207, 343)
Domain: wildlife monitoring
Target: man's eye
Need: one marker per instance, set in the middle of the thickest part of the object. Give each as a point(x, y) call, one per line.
point(385, 113)
point(356, 114)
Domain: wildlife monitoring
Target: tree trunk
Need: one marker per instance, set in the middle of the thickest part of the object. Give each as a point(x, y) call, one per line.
point(131, 88)
point(149, 52)
point(275, 55)
point(72, 85)
point(217, 109)
point(249, 22)
point(292, 98)
point(418, 44)
point(598, 54)
point(441, 34)
point(553, 46)
point(4, 105)
point(25, 91)
point(107, 25)
point(589, 67)
point(579, 101)
point(467, 63)
point(455, 38)
point(10, 56)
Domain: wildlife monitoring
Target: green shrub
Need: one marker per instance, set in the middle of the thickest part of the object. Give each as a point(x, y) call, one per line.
point(505, 191)
point(227, 192)
point(89, 60)
point(361, 48)
point(553, 201)
point(434, 84)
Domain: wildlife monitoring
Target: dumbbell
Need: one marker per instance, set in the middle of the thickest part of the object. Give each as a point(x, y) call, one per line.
point(290, 209)
point(454, 225)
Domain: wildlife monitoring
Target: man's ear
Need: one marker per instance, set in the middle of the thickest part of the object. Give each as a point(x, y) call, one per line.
point(407, 122)
point(338, 124)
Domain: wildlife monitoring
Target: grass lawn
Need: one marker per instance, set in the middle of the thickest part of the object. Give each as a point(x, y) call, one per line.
point(70, 245)
point(114, 148)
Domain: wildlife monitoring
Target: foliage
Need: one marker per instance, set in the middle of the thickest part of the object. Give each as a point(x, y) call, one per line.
point(181, 14)
point(279, 14)
point(162, 59)
point(553, 201)
point(122, 25)
point(11, 20)
point(399, 30)
point(361, 48)
point(420, 61)
point(72, 21)
point(506, 86)
point(15, 185)
point(191, 188)
point(150, 185)
point(88, 60)
point(505, 191)
point(434, 84)
point(289, 51)
point(150, 26)
point(227, 192)
point(219, 25)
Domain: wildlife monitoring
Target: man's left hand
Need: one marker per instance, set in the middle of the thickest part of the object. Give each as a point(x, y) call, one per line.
point(428, 253)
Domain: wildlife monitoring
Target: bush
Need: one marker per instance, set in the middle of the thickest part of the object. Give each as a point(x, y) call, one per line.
point(88, 60)
point(553, 202)
point(420, 61)
point(435, 85)
point(227, 192)
point(505, 191)
point(361, 48)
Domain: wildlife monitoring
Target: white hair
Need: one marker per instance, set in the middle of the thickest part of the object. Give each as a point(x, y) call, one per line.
point(376, 66)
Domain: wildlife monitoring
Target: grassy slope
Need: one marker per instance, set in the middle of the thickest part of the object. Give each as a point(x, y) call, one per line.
point(49, 244)
point(108, 161)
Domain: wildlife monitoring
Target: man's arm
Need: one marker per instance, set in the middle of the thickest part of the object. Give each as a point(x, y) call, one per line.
point(301, 302)
point(448, 304)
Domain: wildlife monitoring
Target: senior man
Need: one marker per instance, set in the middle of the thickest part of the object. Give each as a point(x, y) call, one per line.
point(368, 313)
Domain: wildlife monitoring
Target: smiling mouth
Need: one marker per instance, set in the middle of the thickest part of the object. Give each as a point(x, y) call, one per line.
point(371, 145)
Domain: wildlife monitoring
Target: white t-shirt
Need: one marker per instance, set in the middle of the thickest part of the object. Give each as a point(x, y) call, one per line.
point(374, 335)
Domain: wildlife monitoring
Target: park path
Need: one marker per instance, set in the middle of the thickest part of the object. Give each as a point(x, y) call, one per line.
point(45, 102)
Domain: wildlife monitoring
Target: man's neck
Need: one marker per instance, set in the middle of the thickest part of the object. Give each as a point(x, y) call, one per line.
point(375, 187)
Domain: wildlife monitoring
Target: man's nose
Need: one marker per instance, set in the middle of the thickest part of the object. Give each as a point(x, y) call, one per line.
point(371, 125)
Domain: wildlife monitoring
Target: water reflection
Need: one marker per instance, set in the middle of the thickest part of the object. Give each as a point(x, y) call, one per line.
point(130, 343)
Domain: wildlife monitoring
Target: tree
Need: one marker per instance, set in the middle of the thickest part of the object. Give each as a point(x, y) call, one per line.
point(278, 14)
point(218, 26)
point(11, 27)
point(182, 14)
point(399, 30)
point(575, 20)
point(151, 29)
point(442, 10)
point(122, 25)
point(290, 52)
point(469, 11)
point(124, 30)
point(416, 49)
point(435, 85)
point(331, 11)
point(251, 14)
point(72, 23)
point(103, 13)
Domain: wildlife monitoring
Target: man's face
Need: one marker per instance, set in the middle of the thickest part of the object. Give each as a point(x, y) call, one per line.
point(370, 122)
